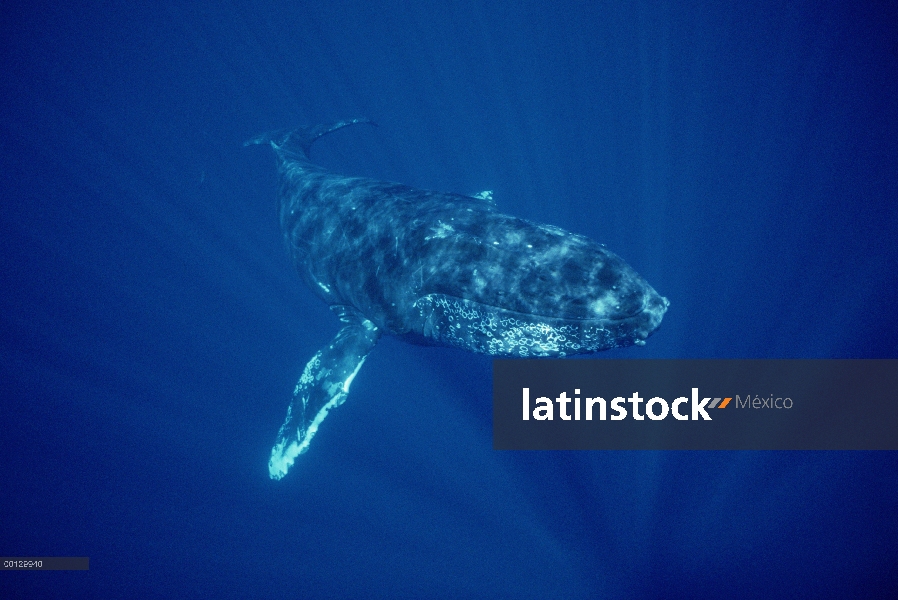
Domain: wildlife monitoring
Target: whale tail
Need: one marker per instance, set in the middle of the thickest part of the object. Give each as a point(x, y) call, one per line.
point(297, 142)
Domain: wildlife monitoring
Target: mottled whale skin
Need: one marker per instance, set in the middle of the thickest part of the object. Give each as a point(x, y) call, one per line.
point(438, 268)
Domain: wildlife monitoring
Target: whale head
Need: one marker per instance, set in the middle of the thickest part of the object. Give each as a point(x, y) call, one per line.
point(526, 289)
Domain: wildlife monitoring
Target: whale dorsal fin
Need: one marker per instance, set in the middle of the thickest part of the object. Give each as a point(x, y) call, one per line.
point(323, 385)
point(485, 195)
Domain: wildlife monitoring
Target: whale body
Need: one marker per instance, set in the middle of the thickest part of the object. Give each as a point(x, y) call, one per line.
point(438, 268)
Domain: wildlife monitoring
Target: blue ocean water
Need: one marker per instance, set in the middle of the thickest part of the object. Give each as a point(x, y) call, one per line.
point(742, 157)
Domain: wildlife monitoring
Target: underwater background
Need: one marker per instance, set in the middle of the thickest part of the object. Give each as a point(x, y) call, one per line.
point(742, 157)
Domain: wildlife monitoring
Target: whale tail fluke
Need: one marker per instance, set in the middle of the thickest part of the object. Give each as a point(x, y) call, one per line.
point(297, 142)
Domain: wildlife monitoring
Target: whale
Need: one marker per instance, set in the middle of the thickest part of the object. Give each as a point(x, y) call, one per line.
point(437, 268)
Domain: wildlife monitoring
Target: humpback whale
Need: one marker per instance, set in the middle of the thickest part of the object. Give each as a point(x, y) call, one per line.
point(439, 269)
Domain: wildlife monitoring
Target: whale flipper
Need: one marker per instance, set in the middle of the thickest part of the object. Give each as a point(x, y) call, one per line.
point(324, 384)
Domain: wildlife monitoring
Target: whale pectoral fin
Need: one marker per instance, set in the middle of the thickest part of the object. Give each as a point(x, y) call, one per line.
point(323, 385)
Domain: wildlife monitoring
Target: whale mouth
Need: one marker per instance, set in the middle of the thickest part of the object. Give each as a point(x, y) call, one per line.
point(642, 307)
point(648, 319)
point(496, 331)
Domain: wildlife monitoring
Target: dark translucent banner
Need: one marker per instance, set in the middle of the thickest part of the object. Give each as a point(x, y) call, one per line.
point(695, 404)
